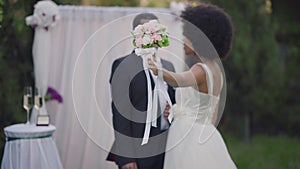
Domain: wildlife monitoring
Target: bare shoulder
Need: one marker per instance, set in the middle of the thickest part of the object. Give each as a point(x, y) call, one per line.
point(200, 76)
point(198, 71)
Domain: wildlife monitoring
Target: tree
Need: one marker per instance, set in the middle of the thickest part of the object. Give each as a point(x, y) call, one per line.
point(254, 70)
point(288, 38)
point(15, 62)
point(115, 2)
point(1, 6)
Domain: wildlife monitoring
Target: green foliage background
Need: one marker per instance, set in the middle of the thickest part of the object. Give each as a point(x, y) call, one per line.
point(254, 70)
point(15, 62)
point(1, 10)
point(262, 69)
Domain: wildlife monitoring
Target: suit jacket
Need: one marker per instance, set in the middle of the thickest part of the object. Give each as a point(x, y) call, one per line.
point(129, 107)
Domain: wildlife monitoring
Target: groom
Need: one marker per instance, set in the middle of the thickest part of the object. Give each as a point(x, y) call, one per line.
point(129, 107)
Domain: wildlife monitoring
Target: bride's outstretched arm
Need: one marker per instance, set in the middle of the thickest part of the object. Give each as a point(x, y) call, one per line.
point(193, 77)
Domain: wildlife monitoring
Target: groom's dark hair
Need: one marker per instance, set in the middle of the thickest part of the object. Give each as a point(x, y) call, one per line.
point(137, 19)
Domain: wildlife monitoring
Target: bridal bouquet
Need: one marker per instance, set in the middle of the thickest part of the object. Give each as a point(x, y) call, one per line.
point(150, 34)
point(147, 38)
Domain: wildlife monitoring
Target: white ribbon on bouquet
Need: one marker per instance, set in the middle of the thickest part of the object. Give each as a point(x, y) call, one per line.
point(153, 98)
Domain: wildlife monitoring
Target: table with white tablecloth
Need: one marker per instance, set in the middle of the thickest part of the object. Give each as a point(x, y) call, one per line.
point(30, 147)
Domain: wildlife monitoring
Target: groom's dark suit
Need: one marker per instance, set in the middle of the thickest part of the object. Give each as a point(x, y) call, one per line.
point(129, 107)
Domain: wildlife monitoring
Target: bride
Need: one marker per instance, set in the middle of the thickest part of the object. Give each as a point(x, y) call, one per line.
point(193, 140)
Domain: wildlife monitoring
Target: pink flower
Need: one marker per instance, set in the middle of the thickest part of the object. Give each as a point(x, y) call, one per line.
point(156, 37)
point(139, 42)
point(152, 26)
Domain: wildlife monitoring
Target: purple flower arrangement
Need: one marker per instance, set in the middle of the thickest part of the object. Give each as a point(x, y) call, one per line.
point(52, 94)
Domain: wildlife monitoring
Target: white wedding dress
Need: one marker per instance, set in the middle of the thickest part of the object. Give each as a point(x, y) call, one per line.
point(193, 141)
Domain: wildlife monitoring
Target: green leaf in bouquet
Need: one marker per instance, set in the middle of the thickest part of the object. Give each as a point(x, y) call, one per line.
point(160, 44)
point(164, 37)
point(146, 46)
point(149, 45)
point(167, 42)
point(133, 42)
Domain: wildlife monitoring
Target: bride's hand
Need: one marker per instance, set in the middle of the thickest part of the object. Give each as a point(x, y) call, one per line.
point(152, 67)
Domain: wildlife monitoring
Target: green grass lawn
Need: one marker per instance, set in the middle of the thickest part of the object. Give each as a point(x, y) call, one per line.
point(265, 152)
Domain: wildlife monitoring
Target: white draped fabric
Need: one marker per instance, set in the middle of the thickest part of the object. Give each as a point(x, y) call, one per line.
point(81, 51)
point(41, 54)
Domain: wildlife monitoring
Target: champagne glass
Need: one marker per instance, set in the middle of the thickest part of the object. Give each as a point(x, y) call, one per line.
point(38, 99)
point(27, 101)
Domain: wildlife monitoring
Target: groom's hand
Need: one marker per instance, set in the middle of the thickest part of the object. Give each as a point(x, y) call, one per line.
point(130, 166)
point(167, 111)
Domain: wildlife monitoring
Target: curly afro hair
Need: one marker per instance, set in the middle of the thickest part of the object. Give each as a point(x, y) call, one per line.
point(214, 22)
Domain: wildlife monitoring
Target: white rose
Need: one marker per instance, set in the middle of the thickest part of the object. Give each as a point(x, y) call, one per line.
point(147, 40)
point(139, 30)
